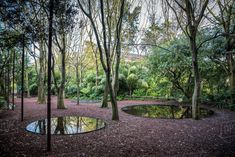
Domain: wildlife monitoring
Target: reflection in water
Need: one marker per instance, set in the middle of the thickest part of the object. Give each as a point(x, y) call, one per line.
point(66, 125)
point(164, 111)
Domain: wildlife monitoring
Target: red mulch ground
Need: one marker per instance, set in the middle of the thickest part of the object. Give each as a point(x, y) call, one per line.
point(131, 136)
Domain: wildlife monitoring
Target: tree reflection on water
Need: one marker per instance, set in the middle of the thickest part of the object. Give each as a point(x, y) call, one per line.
point(66, 125)
point(164, 111)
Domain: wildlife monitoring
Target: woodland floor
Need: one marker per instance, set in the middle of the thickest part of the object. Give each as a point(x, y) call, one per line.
point(131, 136)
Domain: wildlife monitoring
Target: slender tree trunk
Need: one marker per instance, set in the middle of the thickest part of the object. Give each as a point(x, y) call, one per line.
point(106, 61)
point(115, 82)
point(97, 69)
point(41, 76)
point(78, 84)
point(5, 81)
point(13, 79)
point(27, 78)
point(104, 103)
point(197, 81)
point(114, 87)
point(81, 73)
point(113, 99)
point(8, 81)
point(27, 83)
point(60, 97)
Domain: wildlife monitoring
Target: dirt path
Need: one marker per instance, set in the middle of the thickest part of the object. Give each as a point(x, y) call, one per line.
point(131, 136)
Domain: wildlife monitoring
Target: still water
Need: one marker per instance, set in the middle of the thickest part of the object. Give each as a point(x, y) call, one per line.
point(164, 111)
point(66, 125)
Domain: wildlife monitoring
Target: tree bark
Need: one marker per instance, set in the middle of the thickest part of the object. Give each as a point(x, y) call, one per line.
point(97, 69)
point(8, 81)
point(104, 103)
point(27, 83)
point(61, 87)
point(60, 97)
point(113, 99)
point(78, 84)
point(197, 81)
point(41, 76)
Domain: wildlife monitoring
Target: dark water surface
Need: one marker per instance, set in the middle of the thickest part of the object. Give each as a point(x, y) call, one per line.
point(164, 111)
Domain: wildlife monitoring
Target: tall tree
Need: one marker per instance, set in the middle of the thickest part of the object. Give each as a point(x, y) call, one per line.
point(224, 17)
point(77, 44)
point(193, 12)
point(64, 22)
point(12, 26)
point(39, 38)
point(111, 15)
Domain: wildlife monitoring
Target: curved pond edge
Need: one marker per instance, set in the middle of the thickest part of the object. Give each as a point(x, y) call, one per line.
point(213, 113)
point(35, 133)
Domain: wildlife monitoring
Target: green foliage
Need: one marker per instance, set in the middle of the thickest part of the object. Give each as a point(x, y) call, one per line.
point(166, 73)
point(173, 68)
point(139, 92)
point(33, 88)
point(142, 84)
point(90, 78)
point(132, 81)
point(132, 70)
point(123, 86)
point(71, 90)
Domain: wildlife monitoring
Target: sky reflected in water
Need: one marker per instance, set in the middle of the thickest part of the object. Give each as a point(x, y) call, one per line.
point(66, 125)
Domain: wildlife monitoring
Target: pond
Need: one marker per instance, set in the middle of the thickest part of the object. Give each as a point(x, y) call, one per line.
point(66, 125)
point(164, 111)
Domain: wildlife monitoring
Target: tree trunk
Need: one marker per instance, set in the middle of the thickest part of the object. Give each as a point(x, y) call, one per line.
point(113, 99)
point(5, 81)
point(197, 81)
point(105, 50)
point(97, 69)
point(115, 80)
point(8, 81)
point(41, 76)
point(27, 83)
point(27, 77)
point(60, 99)
point(81, 73)
point(13, 79)
point(232, 74)
point(104, 103)
point(78, 84)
